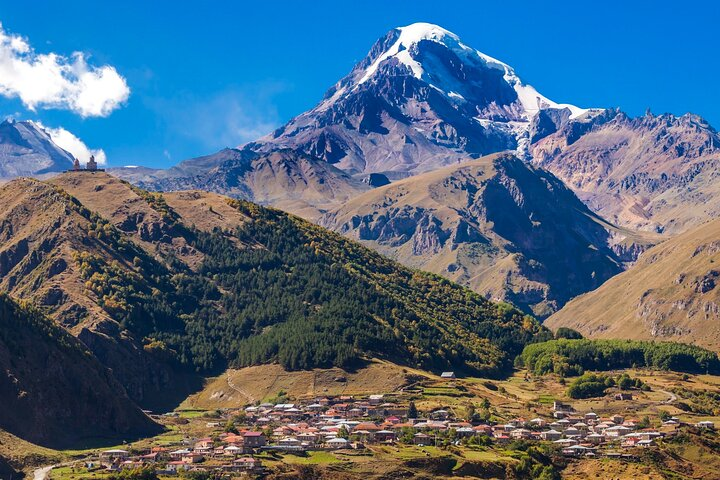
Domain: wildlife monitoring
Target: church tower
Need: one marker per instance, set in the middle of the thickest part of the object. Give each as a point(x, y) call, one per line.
point(92, 164)
point(76, 165)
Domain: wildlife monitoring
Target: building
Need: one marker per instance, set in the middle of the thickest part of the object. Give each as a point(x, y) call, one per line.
point(253, 440)
point(551, 435)
point(337, 442)
point(385, 436)
point(113, 458)
point(91, 166)
point(422, 439)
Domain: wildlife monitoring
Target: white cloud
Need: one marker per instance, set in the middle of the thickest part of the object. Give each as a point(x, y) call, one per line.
point(68, 141)
point(56, 81)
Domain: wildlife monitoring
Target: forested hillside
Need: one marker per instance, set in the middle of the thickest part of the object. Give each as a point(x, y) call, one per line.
point(52, 385)
point(162, 286)
point(573, 357)
point(278, 289)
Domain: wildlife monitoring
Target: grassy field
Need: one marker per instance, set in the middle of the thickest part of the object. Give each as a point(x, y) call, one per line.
point(312, 458)
point(237, 388)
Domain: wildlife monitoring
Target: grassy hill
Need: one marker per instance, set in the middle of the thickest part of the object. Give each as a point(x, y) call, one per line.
point(670, 294)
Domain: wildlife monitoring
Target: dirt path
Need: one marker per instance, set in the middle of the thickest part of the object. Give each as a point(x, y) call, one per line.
point(236, 389)
point(672, 398)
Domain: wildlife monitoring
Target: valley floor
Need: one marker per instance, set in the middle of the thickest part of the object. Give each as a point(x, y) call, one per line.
point(492, 429)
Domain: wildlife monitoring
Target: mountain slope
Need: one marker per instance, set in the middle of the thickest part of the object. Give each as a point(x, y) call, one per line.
point(161, 285)
point(26, 149)
point(670, 294)
point(50, 245)
point(505, 229)
point(51, 385)
point(656, 173)
point(420, 100)
point(293, 181)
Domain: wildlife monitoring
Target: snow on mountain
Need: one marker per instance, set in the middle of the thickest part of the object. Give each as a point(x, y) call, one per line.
point(411, 35)
point(27, 149)
point(420, 100)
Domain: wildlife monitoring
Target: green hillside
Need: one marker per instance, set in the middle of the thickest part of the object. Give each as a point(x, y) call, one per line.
point(279, 289)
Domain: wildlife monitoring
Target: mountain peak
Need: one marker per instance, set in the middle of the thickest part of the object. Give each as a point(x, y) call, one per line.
point(27, 149)
point(436, 56)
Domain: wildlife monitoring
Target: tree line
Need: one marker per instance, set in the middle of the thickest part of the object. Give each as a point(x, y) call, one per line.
point(572, 357)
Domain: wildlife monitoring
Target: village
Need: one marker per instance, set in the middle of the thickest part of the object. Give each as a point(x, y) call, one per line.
point(241, 441)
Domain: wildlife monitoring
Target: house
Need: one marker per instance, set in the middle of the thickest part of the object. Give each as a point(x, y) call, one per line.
point(520, 433)
point(623, 396)
point(309, 438)
point(562, 407)
point(113, 458)
point(290, 444)
point(551, 435)
point(576, 450)
point(537, 422)
point(204, 446)
point(337, 442)
point(386, 436)
point(595, 438)
point(617, 431)
point(375, 399)
point(247, 463)
point(422, 439)
point(178, 454)
point(192, 457)
point(172, 467)
point(563, 423)
point(448, 375)
point(253, 440)
point(465, 432)
point(440, 415)
point(705, 424)
point(572, 432)
point(233, 450)
point(581, 426)
point(368, 426)
point(354, 413)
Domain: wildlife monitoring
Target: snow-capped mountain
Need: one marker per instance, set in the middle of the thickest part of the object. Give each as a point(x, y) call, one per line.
point(420, 100)
point(26, 149)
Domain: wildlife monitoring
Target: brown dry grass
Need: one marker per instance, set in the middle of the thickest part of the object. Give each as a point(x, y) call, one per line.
point(657, 299)
point(236, 388)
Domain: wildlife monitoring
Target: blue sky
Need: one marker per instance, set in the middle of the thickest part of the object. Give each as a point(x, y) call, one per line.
point(205, 75)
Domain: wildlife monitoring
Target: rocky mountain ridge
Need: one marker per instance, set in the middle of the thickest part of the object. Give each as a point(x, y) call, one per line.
point(507, 230)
